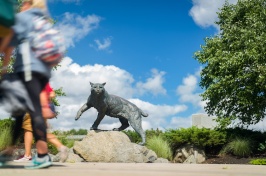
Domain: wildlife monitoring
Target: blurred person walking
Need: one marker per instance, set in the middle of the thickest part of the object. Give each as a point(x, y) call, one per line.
point(48, 113)
point(34, 74)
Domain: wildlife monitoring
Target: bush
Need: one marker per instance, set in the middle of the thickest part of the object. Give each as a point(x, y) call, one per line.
point(258, 162)
point(5, 137)
point(6, 123)
point(238, 147)
point(201, 137)
point(160, 147)
point(133, 136)
point(258, 137)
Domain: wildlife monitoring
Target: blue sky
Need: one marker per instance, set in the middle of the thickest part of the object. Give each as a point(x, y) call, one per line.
point(142, 49)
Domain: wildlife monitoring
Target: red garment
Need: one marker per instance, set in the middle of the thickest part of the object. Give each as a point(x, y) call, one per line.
point(48, 88)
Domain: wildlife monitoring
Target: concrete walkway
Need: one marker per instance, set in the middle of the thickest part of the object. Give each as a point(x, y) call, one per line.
point(135, 169)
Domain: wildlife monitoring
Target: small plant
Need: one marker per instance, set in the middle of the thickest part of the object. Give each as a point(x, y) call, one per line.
point(238, 147)
point(258, 162)
point(160, 147)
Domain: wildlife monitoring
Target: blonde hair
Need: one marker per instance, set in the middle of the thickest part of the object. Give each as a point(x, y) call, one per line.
point(41, 4)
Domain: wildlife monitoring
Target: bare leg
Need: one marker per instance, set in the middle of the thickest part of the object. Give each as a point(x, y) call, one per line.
point(53, 140)
point(63, 150)
point(28, 138)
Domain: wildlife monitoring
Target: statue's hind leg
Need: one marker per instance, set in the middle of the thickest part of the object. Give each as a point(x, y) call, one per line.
point(124, 125)
point(137, 126)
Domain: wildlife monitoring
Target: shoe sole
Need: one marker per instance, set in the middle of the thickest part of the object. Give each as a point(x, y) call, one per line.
point(44, 165)
point(17, 161)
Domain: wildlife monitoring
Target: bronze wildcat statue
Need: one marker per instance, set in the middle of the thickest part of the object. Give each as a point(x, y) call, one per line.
point(113, 106)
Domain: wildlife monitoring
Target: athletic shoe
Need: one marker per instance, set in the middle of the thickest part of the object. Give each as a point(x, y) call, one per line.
point(23, 159)
point(4, 158)
point(63, 154)
point(38, 163)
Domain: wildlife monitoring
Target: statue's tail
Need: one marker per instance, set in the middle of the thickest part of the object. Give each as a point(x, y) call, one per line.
point(144, 114)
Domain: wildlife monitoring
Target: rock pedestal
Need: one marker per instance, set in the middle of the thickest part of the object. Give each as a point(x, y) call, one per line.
point(112, 146)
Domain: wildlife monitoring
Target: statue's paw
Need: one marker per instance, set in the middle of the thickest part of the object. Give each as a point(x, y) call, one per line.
point(142, 143)
point(93, 128)
point(77, 117)
point(116, 129)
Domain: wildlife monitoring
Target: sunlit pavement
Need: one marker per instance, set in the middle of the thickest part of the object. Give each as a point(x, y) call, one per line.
point(134, 169)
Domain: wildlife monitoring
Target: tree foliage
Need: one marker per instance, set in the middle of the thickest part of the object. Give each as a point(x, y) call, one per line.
point(234, 73)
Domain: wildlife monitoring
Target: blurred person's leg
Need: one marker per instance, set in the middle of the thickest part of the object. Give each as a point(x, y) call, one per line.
point(34, 88)
point(28, 138)
point(63, 150)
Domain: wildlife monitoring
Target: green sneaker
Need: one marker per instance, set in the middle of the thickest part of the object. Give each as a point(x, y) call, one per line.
point(39, 163)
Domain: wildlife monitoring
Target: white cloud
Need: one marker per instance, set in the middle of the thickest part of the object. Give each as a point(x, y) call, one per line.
point(105, 45)
point(75, 27)
point(204, 12)
point(154, 84)
point(187, 92)
point(158, 114)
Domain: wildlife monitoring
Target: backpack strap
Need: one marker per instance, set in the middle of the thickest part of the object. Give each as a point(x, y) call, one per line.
point(25, 51)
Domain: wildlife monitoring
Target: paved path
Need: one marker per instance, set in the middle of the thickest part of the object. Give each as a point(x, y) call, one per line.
point(135, 169)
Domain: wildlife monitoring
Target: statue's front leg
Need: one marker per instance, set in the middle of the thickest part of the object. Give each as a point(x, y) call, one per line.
point(85, 107)
point(97, 121)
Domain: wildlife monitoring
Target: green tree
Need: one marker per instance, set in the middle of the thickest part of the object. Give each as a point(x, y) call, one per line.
point(234, 73)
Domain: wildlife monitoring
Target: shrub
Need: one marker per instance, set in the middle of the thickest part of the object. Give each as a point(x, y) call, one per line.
point(133, 136)
point(160, 147)
point(5, 137)
point(201, 137)
point(6, 123)
point(258, 162)
point(240, 147)
point(257, 137)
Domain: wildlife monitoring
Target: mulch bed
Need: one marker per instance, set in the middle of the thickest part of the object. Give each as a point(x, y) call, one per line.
point(230, 159)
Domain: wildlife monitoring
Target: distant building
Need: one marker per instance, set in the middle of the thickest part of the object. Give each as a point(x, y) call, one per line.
point(203, 121)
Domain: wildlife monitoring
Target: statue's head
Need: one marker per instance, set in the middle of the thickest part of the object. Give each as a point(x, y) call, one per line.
point(97, 88)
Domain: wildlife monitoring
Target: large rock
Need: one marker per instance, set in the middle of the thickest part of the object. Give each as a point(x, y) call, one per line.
point(112, 146)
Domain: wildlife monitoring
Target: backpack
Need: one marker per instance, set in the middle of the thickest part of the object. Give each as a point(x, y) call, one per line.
point(46, 42)
point(7, 12)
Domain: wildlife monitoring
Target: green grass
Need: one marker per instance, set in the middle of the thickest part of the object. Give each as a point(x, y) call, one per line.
point(5, 137)
point(66, 142)
point(160, 147)
point(240, 147)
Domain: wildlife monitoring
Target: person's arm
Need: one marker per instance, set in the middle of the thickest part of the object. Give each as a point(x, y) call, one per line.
point(6, 60)
point(5, 41)
point(52, 94)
